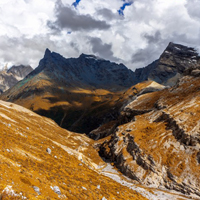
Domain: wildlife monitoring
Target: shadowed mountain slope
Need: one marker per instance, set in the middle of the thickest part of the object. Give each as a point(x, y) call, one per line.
point(87, 71)
point(72, 91)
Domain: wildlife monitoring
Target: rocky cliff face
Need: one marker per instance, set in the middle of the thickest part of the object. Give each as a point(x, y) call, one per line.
point(10, 77)
point(170, 66)
point(157, 140)
point(20, 71)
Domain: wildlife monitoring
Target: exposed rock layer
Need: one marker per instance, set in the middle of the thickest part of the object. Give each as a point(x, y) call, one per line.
point(159, 142)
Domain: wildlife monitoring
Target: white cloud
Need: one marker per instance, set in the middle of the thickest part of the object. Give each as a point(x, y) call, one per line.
point(193, 8)
point(136, 39)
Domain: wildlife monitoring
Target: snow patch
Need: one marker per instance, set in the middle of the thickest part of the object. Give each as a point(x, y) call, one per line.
point(177, 48)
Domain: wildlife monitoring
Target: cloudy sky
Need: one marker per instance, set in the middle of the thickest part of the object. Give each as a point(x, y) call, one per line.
point(134, 32)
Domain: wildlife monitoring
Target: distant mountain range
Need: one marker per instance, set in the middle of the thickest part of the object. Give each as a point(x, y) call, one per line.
point(9, 77)
point(89, 71)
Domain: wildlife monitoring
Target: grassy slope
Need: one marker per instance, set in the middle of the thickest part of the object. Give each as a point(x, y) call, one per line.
point(24, 138)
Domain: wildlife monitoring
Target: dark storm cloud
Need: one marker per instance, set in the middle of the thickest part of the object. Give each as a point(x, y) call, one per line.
point(153, 38)
point(155, 46)
point(74, 46)
point(102, 49)
point(106, 13)
point(68, 18)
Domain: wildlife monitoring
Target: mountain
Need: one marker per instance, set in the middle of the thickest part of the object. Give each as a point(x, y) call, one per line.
point(78, 93)
point(86, 71)
point(20, 71)
point(170, 66)
point(157, 137)
point(149, 132)
point(10, 77)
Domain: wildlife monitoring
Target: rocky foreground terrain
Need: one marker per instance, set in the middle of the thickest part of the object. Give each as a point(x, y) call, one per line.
point(10, 77)
point(40, 160)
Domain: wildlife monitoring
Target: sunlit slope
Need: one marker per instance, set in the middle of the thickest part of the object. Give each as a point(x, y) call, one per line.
point(38, 159)
point(75, 108)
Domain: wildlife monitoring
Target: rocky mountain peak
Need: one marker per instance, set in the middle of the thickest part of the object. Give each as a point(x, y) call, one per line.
point(20, 71)
point(171, 65)
point(47, 53)
point(90, 56)
point(50, 56)
point(85, 71)
point(83, 55)
point(178, 48)
point(180, 56)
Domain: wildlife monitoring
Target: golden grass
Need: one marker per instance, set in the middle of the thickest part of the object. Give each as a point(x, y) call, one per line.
point(33, 166)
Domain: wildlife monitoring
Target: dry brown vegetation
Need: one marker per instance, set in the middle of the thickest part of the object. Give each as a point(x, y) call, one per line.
point(24, 162)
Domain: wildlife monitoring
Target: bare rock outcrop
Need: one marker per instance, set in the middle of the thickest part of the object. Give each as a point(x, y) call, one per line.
point(158, 144)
